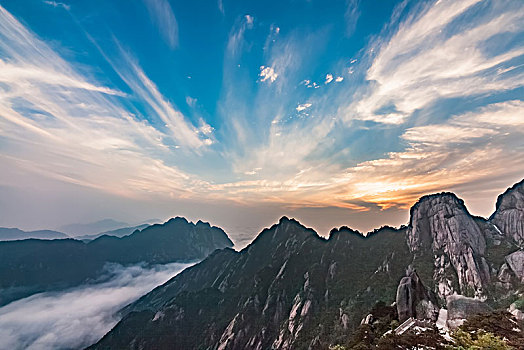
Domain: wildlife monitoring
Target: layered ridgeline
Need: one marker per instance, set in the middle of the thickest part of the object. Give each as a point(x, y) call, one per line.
point(31, 266)
point(291, 289)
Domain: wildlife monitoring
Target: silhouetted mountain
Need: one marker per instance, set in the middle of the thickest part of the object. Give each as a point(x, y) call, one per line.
point(291, 289)
point(32, 265)
point(92, 227)
point(15, 234)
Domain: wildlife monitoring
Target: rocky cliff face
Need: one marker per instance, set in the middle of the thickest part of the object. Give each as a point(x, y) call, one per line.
point(509, 213)
point(441, 227)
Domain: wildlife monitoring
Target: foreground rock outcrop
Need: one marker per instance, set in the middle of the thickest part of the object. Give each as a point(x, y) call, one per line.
point(414, 300)
point(460, 308)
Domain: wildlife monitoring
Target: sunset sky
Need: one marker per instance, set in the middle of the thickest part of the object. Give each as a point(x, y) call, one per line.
point(238, 112)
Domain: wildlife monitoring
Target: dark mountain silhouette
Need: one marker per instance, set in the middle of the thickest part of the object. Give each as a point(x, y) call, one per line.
point(31, 266)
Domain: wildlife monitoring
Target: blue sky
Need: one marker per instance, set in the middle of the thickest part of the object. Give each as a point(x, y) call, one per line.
point(336, 112)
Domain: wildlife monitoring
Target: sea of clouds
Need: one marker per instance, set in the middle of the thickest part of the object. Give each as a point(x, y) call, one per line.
point(78, 317)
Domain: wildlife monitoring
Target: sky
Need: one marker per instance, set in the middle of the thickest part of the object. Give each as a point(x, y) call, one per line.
point(239, 112)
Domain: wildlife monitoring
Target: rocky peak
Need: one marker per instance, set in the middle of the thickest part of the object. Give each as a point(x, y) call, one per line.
point(509, 213)
point(441, 224)
point(441, 221)
point(286, 231)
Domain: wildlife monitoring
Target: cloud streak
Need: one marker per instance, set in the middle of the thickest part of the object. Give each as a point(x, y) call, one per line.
point(162, 16)
point(78, 317)
point(68, 127)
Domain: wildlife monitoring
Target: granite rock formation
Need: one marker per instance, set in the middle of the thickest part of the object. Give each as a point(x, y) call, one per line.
point(509, 213)
point(414, 300)
point(442, 228)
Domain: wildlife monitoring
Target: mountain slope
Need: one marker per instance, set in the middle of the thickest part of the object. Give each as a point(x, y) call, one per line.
point(274, 293)
point(291, 289)
point(32, 266)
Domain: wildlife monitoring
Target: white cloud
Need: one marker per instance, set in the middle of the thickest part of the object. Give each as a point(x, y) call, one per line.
point(303, 106)
point(267, 73)
point(205, 128)
point(78, 317)
point(236, 37)
point(58, 4)
point(221, 6)
point(191, 102)
point(425, 61)
point(351, 16)
point(69, 128)
point(162, 16)
point(339, 79)
point(181, 129)
point(329, 78)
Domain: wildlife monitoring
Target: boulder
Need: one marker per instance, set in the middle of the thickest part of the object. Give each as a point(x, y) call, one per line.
point(515, 262)
point(414, 300)
point(461, 307)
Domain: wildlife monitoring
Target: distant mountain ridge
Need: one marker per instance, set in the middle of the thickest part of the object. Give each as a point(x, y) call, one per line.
point(15, 234)
point(291, 289)
point(119, 232)
point(31, 266)
point(92, 227)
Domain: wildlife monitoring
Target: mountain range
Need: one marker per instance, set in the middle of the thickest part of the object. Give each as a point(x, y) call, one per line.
point(32, 266)
point(292, 289)
point(119, 232)
point(92, 227)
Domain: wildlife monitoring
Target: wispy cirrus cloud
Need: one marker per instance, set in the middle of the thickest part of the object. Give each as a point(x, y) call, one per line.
point(65, 126)
point(435, 55)
point(351, 16)
point(162, 16)
point(58, 4)
point(236, 37)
